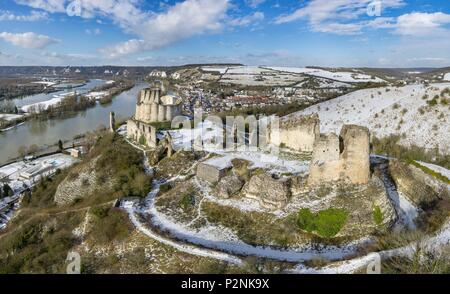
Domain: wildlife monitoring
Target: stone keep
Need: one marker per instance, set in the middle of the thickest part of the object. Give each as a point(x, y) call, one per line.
point(297, 133)
point(153, 107)
point(341, 158)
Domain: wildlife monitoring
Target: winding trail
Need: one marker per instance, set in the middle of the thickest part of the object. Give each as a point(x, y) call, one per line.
point(232, 251)
point(194, 243)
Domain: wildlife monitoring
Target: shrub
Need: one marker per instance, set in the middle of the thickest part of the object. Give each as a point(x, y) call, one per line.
point(432, 102)
point(377, 215)
point(187, 202)
point(110, 224)
point(329, 222)
point(142, 140)
point(306, 220)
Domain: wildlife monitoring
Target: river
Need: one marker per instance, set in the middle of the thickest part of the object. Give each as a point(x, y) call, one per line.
point(48, 132)
point(91, 84)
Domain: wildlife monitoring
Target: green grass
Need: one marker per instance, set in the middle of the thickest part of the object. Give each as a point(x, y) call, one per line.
point(326, 223)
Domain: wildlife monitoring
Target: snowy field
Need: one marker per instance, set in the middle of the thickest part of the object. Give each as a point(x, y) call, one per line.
point(220, 70)
point(46, 104)
point(264, 79)
point(349, 77)
point(387, 111)
point(286, 76)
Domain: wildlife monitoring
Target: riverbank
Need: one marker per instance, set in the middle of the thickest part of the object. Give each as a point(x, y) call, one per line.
point(47, 131)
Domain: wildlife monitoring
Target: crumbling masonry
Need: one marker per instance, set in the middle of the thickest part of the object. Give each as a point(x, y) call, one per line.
point(341, 158)
point(152, 108)
point(296, 133)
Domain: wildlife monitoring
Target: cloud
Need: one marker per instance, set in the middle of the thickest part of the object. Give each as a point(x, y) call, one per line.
point(422, 24)
point(254, 3)
point(181, 21)
point(65, 56)
point(28, 40)
point(338, 16)
point(247, 20)
point(51, 6)
point(33, 16)
point(151, 30)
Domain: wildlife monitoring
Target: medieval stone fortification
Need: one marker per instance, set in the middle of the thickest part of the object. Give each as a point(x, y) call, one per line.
point(341, 158)
point(297, 133)
point(152, 107)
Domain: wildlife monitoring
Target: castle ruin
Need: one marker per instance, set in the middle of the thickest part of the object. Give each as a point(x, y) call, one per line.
point(296, 133)
point(341, 158)
point(152, 108)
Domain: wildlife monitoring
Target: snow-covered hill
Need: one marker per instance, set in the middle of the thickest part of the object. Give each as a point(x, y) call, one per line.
point(341, 76)
point(286, 76)
point(386, 111)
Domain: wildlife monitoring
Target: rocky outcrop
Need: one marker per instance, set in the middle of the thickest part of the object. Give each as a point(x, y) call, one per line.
point(229, 186)
point(270, 192)
point(422, 189)
point(241, 169)
point(81, 182)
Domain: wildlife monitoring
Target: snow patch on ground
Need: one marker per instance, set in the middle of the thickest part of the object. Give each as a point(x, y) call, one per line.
point(220, 70)
point(436, 168)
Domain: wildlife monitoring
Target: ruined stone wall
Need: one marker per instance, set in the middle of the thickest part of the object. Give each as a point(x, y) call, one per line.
point(297, 133)
point(343, 158)
point(136, 129)
point(326, 164)
point(356, 153)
